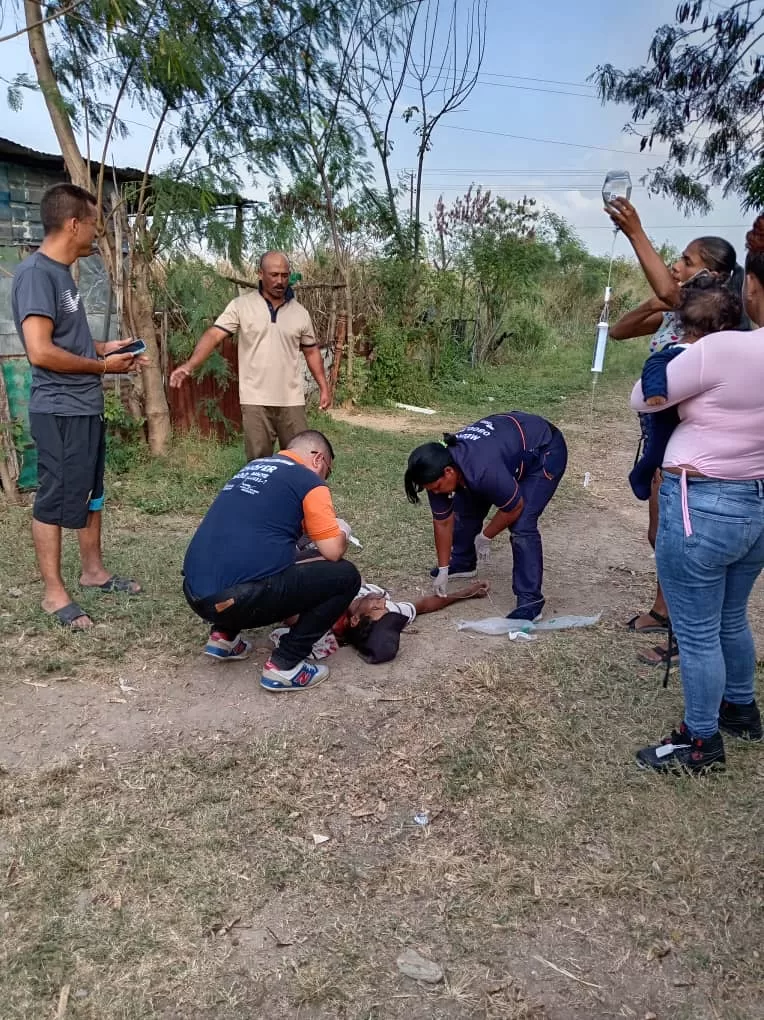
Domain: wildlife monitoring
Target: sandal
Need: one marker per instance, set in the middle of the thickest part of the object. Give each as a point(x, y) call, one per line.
point(661, 623)
point(114, 584)
point(67, 615)
point(664, 657)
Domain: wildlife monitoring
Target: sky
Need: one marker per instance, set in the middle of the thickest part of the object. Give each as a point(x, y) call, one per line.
point(532, 125)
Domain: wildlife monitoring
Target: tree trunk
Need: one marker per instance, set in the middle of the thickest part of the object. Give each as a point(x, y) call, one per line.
point(142, 315)
point(142, 306)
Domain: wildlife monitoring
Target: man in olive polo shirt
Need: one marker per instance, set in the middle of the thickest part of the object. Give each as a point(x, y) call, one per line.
point(272, 329)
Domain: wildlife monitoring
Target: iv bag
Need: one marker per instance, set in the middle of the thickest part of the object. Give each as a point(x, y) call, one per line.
point(617, 185)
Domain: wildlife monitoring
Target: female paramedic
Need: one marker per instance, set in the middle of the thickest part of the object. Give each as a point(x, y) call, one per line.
point(512, 461)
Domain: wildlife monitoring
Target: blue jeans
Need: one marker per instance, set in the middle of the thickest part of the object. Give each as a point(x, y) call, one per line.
point(707, 578)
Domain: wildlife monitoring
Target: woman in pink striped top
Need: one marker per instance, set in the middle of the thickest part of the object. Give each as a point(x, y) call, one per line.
point(710, 543)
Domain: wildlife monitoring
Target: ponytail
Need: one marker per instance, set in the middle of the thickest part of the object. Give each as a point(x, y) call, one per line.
point(427, 464)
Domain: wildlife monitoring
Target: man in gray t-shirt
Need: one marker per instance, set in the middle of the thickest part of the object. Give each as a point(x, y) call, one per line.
point(44, 287)
point(66, 403)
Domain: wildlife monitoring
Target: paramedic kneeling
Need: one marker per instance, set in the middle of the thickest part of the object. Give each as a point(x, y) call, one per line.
point(240, 570)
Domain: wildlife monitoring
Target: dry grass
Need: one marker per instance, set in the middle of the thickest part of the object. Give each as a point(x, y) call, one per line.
point(554, 881)
point(188, 884)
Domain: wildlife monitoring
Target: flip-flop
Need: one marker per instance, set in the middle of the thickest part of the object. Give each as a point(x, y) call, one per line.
point(68, 614)
point(663, 656)
point(661, 623)
point(113, 584)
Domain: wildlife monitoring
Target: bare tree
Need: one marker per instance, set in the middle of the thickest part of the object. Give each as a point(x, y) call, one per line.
point(445, 71)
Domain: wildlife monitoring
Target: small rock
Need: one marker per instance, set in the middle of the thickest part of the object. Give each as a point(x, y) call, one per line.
point(15, 593)
point(417, 967)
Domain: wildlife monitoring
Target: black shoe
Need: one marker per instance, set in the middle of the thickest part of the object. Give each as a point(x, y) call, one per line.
point(683, 753)
point(457, 572)
point(743, 721)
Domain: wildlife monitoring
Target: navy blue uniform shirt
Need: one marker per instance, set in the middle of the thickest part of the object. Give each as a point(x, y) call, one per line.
point(494, 455)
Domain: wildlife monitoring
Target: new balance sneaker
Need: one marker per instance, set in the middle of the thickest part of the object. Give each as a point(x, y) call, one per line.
point(304, 674)
point(221, 647)
point(682, 752)
point(530, 613)
point(456, 572)
point(743, 721)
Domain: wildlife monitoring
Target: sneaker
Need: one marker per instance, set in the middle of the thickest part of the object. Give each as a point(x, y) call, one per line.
point(530, 613)
point(682, 752)
point(221, 647)
point(743, 721)
point(304, 674)
point(456, 572)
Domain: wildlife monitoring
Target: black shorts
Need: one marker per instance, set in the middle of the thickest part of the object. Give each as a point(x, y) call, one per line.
point(71, 454)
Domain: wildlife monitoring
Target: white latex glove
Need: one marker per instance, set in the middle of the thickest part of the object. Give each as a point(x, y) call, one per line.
point(344, 527)
point(440, 583)
point(483, 548)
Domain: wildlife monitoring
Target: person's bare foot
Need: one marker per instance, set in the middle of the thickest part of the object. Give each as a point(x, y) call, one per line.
point(53, 605)
point(652, 622)
point(120, 584)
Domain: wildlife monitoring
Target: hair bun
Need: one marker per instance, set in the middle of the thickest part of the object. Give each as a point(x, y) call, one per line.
point(754, 239)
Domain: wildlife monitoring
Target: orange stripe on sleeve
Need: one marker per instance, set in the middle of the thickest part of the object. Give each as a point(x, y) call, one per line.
point(318, 514)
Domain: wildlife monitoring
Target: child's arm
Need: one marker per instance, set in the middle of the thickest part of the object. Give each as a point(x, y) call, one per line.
point(433, 603)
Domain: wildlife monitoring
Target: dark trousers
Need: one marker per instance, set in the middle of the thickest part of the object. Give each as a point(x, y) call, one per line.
point(319, 591)
point(536, 490)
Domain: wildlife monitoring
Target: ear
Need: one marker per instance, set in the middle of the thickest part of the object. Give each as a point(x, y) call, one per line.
point(355, 619)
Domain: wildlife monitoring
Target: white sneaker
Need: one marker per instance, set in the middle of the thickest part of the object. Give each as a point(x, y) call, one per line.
point(304, 674)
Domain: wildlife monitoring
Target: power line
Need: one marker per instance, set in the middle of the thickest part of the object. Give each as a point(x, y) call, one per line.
point(545, 141)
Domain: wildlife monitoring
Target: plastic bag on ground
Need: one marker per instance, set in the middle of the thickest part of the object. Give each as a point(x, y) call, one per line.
point(496, 626)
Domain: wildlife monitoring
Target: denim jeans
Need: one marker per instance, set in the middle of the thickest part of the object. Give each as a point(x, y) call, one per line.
point(319, 591)
point(707, 578)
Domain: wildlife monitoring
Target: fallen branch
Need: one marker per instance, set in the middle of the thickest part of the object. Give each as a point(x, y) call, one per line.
point(565, 973)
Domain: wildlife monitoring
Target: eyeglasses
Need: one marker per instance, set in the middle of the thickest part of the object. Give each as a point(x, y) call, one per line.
point(325, 459)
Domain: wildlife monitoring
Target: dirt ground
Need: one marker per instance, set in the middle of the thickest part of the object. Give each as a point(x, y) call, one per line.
point(167, 817)
point(596, 560)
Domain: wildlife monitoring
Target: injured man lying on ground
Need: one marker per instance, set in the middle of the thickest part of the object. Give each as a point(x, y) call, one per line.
point(373, 622)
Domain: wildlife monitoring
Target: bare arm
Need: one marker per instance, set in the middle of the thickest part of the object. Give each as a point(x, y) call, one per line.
point(502, 520)
point(316, 368)
point(332, 548)
point(643, 320)
point(686, 377)
point(208, 341)
point(434, 603)
point(444, 539)
point(43, 353)
point(625, 216)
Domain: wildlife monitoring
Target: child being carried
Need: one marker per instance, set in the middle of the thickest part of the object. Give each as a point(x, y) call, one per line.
point(706, 305)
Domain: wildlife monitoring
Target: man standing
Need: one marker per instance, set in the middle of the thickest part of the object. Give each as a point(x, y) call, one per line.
point(240, 569)
point(66, 402)
point(272, 327)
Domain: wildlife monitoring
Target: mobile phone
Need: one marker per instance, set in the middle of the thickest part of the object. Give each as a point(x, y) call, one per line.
point(136, 346)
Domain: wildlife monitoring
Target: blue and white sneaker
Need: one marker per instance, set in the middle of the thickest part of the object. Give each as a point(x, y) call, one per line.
point(220, 647)
point(529, 613)
point(305, 674)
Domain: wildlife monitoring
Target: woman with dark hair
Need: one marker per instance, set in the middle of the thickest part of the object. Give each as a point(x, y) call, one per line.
point(659, 316)
point(512, 461)
point(710, 543)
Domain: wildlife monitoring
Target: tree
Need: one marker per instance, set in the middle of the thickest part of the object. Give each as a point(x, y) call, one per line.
point(191, 67)
point(702, 92)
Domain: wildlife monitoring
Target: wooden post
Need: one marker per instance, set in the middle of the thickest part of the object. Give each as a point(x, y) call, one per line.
point(9, 461)
point(339, 346)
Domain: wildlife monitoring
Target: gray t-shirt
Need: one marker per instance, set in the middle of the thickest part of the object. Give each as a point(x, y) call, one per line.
point(44, 287)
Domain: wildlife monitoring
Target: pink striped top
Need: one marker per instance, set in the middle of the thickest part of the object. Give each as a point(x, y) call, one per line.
point(717, 385)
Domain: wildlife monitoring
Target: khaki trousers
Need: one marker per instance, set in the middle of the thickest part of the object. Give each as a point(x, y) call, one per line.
point(262, 426)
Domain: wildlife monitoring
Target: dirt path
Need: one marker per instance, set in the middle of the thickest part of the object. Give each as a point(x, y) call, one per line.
point(596, 560)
